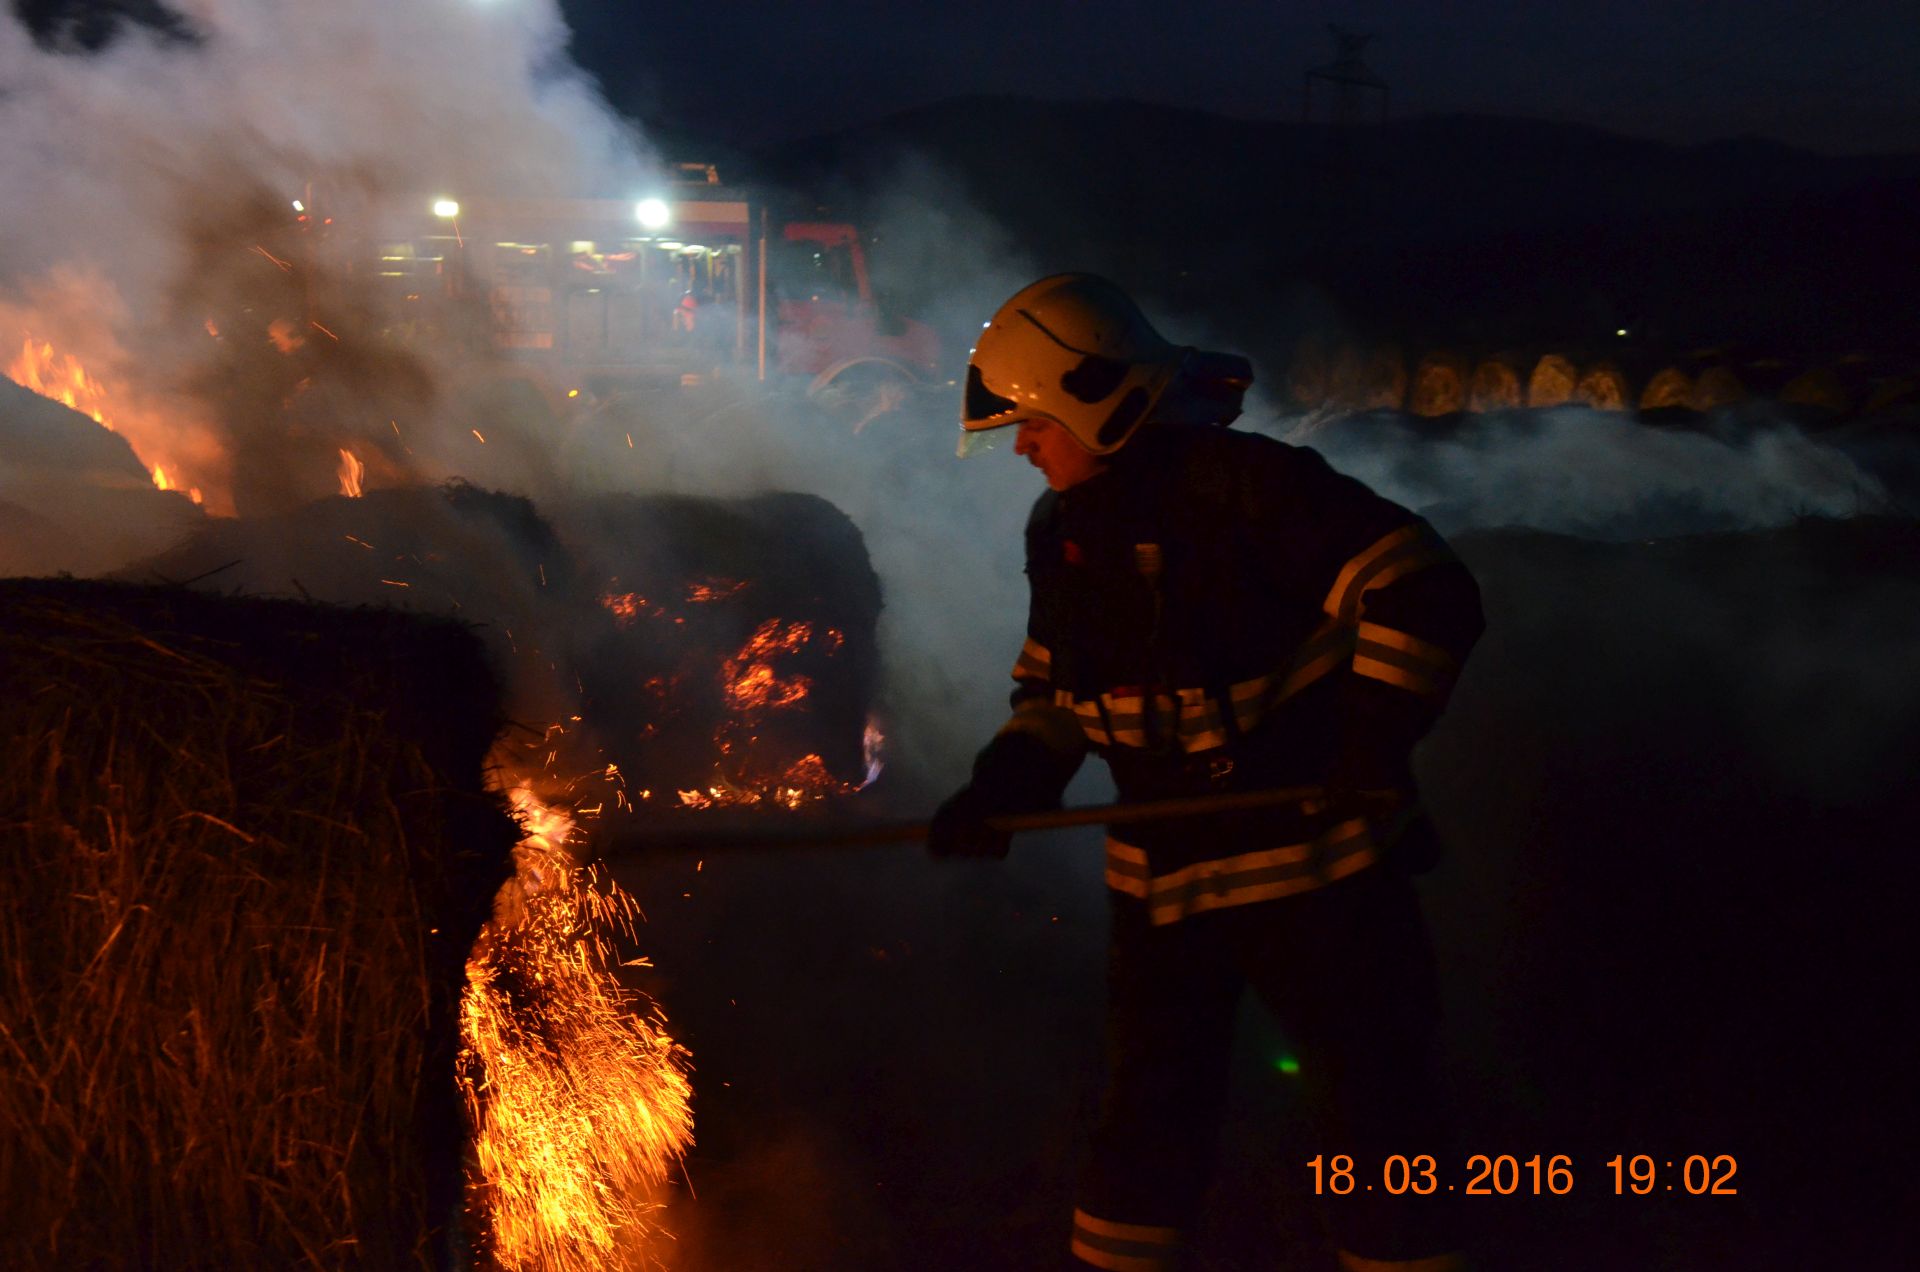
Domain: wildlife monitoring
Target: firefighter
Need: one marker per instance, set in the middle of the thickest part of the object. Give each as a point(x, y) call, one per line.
point(1216, 611)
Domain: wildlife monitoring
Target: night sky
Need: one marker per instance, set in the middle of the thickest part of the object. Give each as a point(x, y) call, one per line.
point(1830, 75)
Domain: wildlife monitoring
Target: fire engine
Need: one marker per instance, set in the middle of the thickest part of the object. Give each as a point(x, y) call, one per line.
point(599, 296)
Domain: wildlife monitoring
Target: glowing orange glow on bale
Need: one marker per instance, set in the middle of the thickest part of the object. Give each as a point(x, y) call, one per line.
point(578, 1098)
point(751, 684)
point(62, 378)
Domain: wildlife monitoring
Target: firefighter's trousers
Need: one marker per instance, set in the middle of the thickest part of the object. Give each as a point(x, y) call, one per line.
point(1348, 972)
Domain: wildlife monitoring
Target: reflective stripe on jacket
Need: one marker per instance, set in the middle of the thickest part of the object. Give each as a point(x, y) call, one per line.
point(1292, 621)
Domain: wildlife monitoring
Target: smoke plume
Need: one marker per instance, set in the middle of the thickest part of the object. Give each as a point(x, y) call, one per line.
point(147, 226)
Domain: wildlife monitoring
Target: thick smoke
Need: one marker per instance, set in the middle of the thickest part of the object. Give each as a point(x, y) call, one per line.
point(146, 222)
point(1598, 474)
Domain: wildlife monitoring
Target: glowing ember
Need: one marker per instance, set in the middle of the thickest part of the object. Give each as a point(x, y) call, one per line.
point(579, 1100)
point(752, 687)
point(713, 590)
point(751, 684)
point(351, 470)
point(58, 376)
point(628, 607)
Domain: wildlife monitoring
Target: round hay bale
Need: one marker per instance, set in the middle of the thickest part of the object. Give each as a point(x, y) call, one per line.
point(1891, 392)
point(1552, 381)
point(1818, 390)
point(1384, 385)
point(1345, 377)
point(1716, 387)
point(1603, 386)
point(1495, 386)
point(1309, 375)
point(1669, 388)
point(1439, 386)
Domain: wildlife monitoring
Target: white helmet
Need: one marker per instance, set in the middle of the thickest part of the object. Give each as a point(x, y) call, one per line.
point(1075, 349)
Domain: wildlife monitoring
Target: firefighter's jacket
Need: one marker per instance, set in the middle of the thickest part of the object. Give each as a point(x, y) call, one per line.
point(1222, 611)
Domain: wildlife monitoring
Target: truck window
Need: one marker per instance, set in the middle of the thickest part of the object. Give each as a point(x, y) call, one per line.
point(812, 271)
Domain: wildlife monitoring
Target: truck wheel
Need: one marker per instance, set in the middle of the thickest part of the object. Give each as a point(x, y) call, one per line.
point(863, 393)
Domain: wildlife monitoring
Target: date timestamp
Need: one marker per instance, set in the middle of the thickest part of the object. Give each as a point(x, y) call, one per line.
point(1506, 1175)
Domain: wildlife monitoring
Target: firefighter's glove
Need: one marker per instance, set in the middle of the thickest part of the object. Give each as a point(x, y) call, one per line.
point(1016, 773)
point(960, 827)
point(1377, 726)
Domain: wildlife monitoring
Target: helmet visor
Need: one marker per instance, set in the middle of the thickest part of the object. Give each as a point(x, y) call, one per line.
point(977, 441)
point(983, 407)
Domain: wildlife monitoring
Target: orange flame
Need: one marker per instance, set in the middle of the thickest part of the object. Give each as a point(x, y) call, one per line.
point(579, 1101)
point(61, 377)
point(805, 780)
point(350, 472)
point(56, 376)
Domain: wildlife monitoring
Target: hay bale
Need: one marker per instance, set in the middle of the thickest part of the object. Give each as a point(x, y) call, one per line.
point(1439, 385)
point(1670, 388)
point(1552, 382)
point(79, 499)
point(249, 850)
point(1343, 378)
point(484, 557)
point(1819, 390)
point(1380, 380)
point(1495, 386)
point(737, 633)
point(1716, 387)
point(1891, 393)
point(1310, 374)
point(1603, 386)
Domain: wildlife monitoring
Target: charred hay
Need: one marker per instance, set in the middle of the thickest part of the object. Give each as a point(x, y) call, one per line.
point(746, 626)
point(249, 851)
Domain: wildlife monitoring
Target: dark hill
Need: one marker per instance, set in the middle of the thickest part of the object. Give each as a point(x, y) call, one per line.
point(1436, 228)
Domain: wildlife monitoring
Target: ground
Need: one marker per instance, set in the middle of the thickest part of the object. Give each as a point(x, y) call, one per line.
point(1672, 922)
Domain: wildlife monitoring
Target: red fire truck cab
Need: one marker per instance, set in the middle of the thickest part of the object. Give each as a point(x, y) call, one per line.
point(597, 294)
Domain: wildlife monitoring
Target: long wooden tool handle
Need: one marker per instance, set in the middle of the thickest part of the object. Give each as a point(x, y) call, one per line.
point(720, 839)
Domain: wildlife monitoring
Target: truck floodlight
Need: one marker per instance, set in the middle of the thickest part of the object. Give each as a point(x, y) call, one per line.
point(446, 209)
point(669, 245)
point(299, 206)
point(652, 213)
point(1620, 331)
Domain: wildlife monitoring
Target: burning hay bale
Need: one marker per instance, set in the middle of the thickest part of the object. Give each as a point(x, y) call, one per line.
point(736, 658)
point(484, 557)
point(713, 651)
point(249, 852)
point(73, 496)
